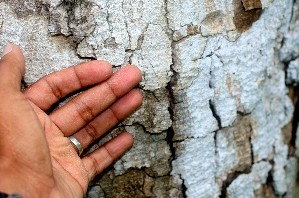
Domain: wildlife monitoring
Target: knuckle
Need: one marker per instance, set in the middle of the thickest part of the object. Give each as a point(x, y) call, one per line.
point(91, 131)
point(84, 111)
point(56, 91)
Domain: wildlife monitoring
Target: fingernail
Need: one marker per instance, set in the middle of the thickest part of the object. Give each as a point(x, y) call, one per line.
point(7, 49)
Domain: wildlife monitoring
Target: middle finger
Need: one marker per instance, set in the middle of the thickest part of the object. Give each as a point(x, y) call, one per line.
point(86, 106)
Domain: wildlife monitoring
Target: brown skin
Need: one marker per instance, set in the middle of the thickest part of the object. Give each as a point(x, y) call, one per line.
point(36, 157)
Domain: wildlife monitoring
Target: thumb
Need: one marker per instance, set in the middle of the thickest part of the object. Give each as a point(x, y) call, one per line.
point(12, 66)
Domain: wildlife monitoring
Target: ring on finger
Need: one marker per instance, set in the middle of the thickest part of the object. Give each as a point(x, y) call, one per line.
point(77, 144)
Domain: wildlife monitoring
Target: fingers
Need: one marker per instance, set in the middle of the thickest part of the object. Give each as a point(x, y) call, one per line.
point(11, 68)
point(109, 118)
point(100, 159)
point(86, 106)
point(48, 90)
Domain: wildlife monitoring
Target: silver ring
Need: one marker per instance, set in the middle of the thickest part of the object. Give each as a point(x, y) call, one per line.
point(77, 144)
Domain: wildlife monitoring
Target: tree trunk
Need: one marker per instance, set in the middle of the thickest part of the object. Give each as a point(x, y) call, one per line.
point(217, 115)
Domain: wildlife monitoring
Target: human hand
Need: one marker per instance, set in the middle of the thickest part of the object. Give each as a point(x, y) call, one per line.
point(36, 157)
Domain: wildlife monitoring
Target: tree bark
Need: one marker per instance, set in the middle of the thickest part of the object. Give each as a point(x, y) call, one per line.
point(217, 118)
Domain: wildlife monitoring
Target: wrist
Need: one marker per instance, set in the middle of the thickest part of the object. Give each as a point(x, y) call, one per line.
point(26, 186)
point(20, 180)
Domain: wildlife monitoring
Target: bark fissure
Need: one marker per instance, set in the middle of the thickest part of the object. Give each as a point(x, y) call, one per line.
point(214, 112)
point(172, 83)
point(230, 178)
point(294, 94)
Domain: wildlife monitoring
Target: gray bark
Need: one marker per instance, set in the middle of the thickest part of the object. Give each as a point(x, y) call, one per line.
point(217, 114)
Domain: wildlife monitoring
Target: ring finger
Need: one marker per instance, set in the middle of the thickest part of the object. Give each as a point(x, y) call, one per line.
point(109, 118)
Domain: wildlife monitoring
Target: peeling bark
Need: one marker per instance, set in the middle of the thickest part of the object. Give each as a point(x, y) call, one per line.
point(217, 119)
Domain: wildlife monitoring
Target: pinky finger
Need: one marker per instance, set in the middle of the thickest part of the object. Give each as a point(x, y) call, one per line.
point(97, 161)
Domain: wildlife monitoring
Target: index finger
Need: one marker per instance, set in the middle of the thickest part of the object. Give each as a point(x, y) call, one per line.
point(50, 89)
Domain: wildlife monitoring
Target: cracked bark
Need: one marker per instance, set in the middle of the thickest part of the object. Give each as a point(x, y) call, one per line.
point(216, 116)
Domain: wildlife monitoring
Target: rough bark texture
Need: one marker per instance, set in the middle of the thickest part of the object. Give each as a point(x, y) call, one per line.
point(216, 116)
